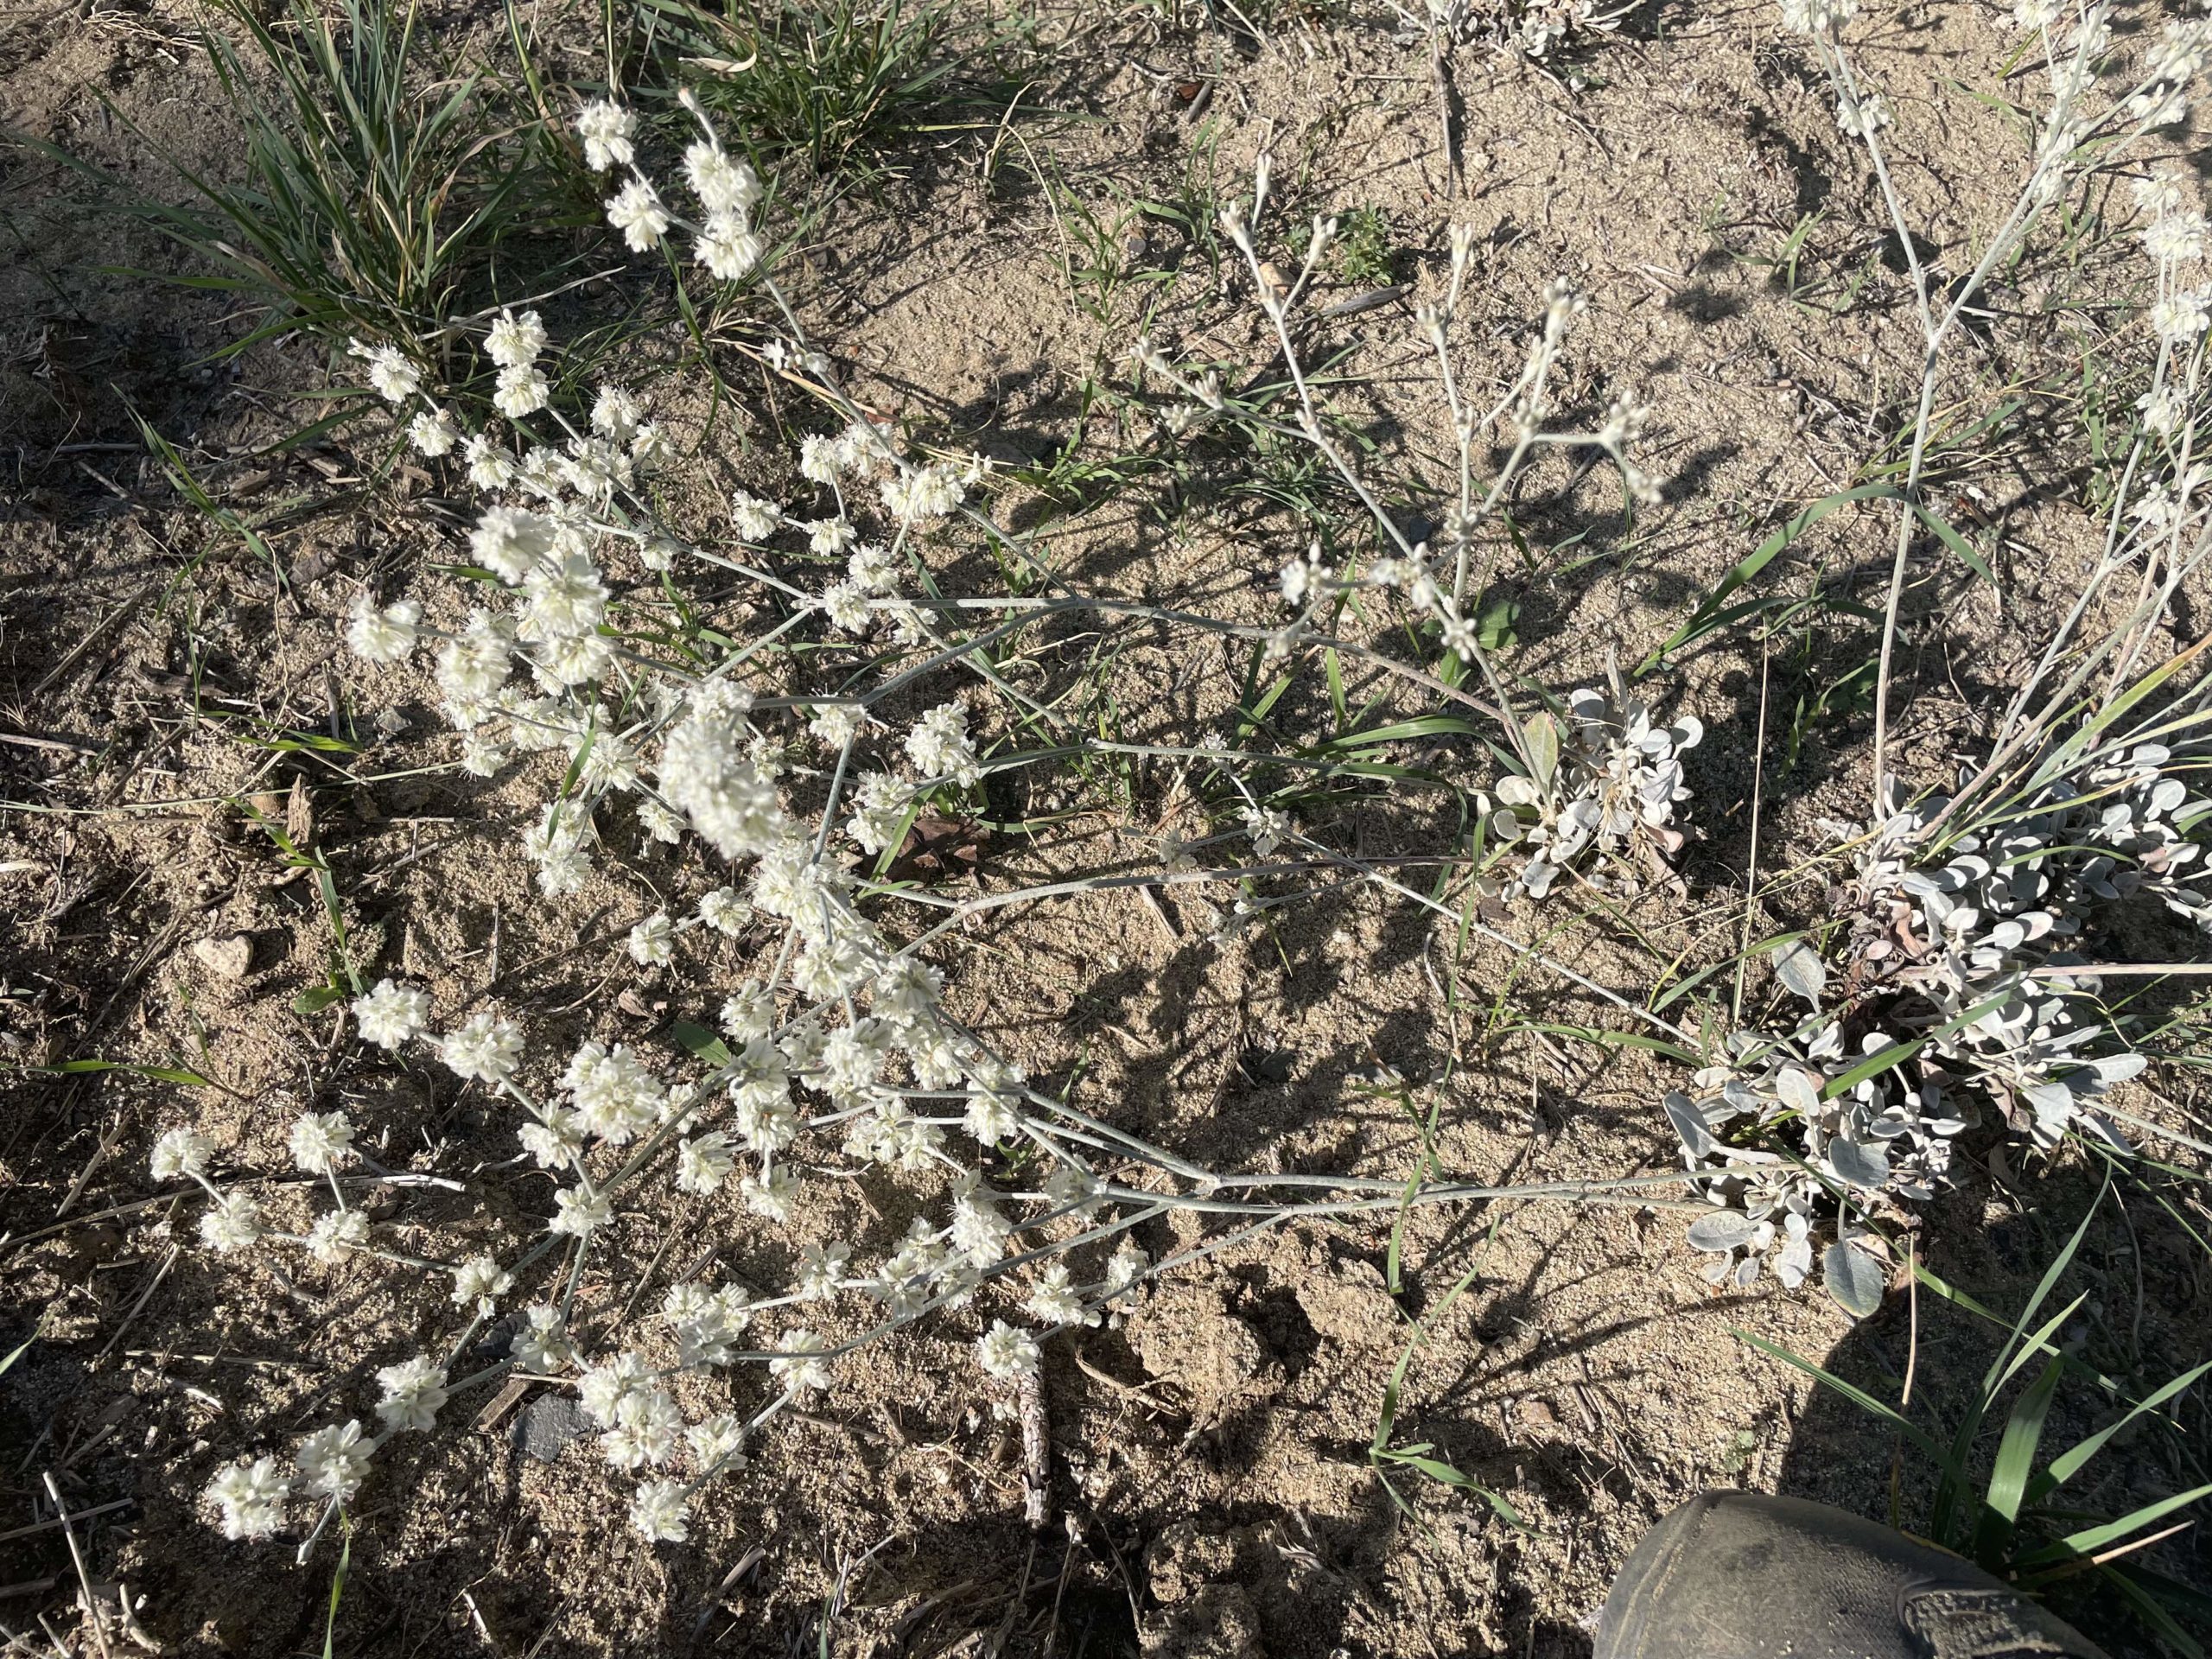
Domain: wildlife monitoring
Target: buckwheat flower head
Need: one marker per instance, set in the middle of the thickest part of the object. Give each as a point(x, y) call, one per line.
point(616, 1096)
point(2179, 318)
point(2175, 238)
point(702, 1164)
point(334, 1461)
point(796, 1366)
point(521, 390)
point(181, 1152)
point(722, 184)
point(717, 1442)
point(979, 1230)
point(606, 1390)
point(659, 1512)
point(838, 723)
point(749, 1013)
point(391, 1013)
point(576, 1211)
point(414, 1390)
point(489, 467)
point(514, 342)
point(510, 542)
point(1817, 16)
point(542, 1345)
point(845, 603)
point(939, 745)
point(916, 494)
point(773, 1195)
point(659, 823)
point(565, 597)
point(394, 377)
point(229, 1222)
point(706, 773)
point(725, 912)
point(1007, 1353)
point(1856, 119)
point(486, 1046)
point(385, 634)
point(754, 520)
point(251, 1497)
point(556, 842)
point(432, 433)
point(821, 1270)
point(615, 413)
point(2159, 193)
point(1269, 827)
point(1053, 1300)
point(606, 129)
point(1125, 1266)
point(727, 246)
point(820, 457)
point(879, 807)
point(571, 659)
point(635, 210)
point(651, 1429)
point(2163, 411)
point(321, 1141)
point(336, 1235)
point(652, 942)
point(480, 1282)
point(992, 1116)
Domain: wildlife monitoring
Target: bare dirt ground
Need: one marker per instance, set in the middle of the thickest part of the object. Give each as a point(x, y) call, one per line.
point(1213, 1492)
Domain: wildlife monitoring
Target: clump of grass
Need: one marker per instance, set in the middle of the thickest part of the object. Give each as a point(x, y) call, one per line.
point(2008, 1506)
point(848, 85)
point(382, 192)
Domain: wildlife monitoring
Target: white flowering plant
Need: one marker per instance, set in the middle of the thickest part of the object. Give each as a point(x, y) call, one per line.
point(839, 1050)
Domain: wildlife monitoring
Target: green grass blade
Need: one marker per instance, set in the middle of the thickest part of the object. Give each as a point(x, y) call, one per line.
point(2016, 1457)
point(2070, 1462)
point(1857, 1395)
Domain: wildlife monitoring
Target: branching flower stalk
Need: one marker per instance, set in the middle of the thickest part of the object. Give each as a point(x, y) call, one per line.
point(2071, 143)
point(1949, 987)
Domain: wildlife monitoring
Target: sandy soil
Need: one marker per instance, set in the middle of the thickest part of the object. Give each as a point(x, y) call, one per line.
point(1213, 1494)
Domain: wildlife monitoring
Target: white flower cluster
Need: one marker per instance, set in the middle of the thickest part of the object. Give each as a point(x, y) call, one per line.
point(841, 1047)
point(2174, 236)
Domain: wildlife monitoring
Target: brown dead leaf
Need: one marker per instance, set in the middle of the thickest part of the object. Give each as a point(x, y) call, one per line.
point(937, 847)
point(299, 815)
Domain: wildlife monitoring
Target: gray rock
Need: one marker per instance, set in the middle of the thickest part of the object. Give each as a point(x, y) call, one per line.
point(547, 1424)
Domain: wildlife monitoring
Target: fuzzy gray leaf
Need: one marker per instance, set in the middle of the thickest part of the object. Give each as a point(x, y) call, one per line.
point(1797, 1090)
point(1799, 967)
point(1689, 1125)
point(1723, 1229)
point(1541, 735)
point(1853, 1278)
point(1860, 1166)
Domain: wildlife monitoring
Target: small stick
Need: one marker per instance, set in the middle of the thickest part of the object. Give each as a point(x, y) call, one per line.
point(504, 1401)
point(76, 1188)
point(84, 1579)
point(139, 1306)
point(100, 631)
point(1036, 1451)
point(1442, 81)
point(48, 1526)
